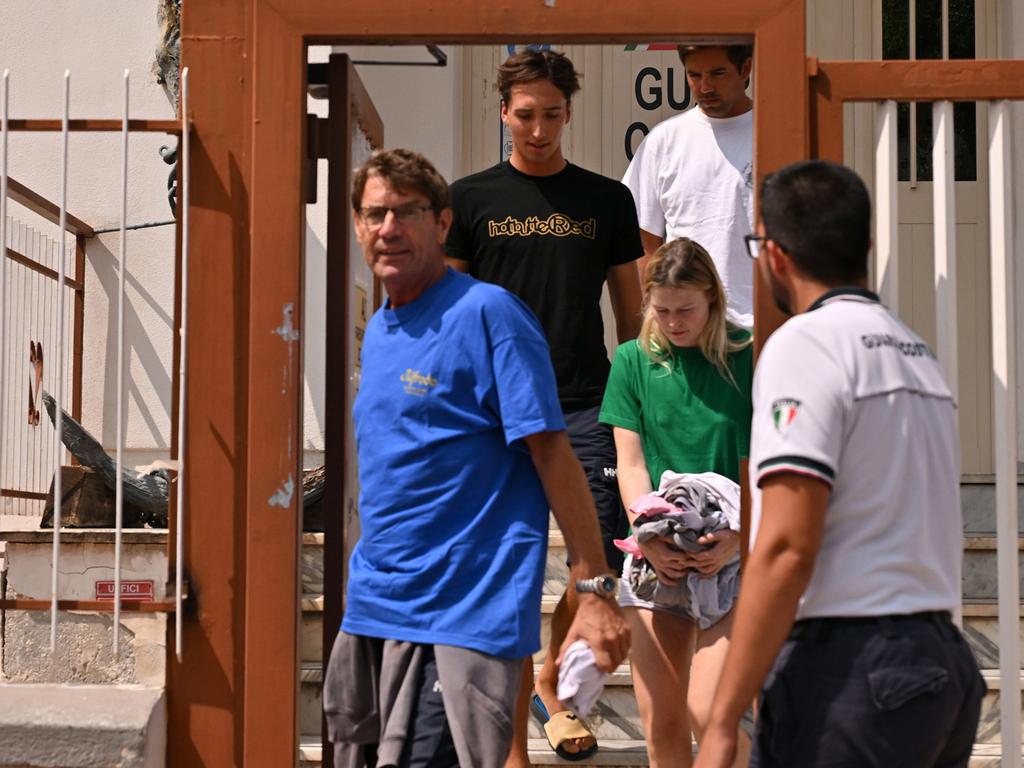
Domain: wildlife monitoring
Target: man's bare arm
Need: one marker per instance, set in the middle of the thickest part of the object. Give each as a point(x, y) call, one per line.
point(777, 571)
point(624, 292)
point(651, 243)
point(598, 621)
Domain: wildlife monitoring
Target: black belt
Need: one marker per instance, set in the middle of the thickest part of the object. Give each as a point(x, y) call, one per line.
point(815, 629)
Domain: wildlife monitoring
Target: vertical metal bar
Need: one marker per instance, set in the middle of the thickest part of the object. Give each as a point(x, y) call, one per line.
point(59, 362)
point(122, 269)
point(1004, 413)
point(3, 263)
point(945, 29)
point(183, 208)
point(78, 331)
point(912, 129)
point(886, 211)
point(944, 215)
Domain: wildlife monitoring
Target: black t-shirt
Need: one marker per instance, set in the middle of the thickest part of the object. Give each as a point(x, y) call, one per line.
point(550, 240)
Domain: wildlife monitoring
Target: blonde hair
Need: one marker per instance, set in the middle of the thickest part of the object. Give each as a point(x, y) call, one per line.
point(684, 263)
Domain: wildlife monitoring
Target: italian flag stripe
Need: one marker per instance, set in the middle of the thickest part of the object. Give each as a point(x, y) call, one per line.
point(651, 47)
point(798, 465)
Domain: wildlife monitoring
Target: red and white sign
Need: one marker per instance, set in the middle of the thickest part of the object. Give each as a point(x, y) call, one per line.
point(134, 591)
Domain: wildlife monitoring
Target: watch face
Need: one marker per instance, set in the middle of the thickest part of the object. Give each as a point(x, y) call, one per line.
point(607, 584)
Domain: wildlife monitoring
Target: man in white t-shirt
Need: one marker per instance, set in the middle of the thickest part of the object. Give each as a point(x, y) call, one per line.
point(693, 175)
point(856, 522)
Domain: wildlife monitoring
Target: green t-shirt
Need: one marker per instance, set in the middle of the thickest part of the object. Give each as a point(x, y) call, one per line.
point(690, 419)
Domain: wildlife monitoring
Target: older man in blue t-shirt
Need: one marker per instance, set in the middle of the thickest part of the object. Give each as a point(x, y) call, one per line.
point(462, 450)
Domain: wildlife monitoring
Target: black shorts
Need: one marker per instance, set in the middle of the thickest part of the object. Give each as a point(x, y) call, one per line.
point(594, 446)
point(875, 691)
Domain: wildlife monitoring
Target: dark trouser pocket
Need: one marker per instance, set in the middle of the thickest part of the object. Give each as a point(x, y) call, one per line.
point(892, 687)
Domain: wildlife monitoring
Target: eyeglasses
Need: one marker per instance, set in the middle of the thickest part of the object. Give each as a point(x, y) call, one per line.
point(755, 243)
point(411, 213)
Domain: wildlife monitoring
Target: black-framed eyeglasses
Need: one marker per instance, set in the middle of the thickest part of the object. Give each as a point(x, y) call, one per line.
point(373, 216)
point(755, 243)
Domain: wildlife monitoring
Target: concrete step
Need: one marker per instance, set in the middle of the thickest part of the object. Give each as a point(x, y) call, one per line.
point(616, 719)
point(979, 567)
point(82, 726)
point(978, 504)
point(312, 563)
point(989, 726)
point(311, 629)
point(981, 628)
point(616, 716)
point(622, 754)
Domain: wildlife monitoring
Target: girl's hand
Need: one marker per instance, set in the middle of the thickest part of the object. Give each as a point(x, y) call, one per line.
point(722, 547)
point(670, 564)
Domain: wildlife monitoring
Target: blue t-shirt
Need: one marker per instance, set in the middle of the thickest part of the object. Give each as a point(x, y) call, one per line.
point(454, 518)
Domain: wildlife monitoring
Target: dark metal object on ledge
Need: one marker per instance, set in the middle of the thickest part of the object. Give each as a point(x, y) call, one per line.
point(147, 493)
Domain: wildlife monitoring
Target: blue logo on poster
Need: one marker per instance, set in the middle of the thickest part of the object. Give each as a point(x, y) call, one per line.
point(512, 48)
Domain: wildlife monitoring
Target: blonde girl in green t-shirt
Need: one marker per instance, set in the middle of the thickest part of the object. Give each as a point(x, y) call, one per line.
point(679, 398)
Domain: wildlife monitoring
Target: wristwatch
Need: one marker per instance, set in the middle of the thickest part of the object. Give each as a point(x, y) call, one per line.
point(606, 586)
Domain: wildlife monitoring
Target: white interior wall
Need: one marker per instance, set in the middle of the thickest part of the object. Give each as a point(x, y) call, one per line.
point(314, 298)
point(417, 104)
point(38, 41)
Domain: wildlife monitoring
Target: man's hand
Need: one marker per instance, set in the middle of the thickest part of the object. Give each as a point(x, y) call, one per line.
point(722, 547)
point(600, 624)
point(717, 748)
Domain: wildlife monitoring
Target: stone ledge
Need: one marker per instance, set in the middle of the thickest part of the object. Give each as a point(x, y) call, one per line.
point(86, 536)
point(82, 726)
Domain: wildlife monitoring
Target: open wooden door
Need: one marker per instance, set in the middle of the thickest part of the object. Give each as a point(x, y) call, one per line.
point(353, 130)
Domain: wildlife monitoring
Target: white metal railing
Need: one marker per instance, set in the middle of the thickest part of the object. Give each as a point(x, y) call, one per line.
point(944, 217)
point(886, 208)
point(58, 362)
point(1004, 415)
point(121, 271)
point(179, 551)
point(4, 101)
point(58, 418)
point(1003, 344)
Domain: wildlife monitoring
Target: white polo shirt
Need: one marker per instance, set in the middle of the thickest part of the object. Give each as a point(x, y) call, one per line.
point(849, 395)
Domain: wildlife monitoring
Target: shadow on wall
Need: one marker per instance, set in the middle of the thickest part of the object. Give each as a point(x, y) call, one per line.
point(140, 349)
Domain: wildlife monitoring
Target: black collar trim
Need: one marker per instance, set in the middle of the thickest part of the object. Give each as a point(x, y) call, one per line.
point(846, 290)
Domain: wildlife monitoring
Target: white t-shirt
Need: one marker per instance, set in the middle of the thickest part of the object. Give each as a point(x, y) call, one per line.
point(693, 176)
point(846, 393)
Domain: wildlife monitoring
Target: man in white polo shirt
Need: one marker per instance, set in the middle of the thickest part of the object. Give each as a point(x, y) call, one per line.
point(856, 520)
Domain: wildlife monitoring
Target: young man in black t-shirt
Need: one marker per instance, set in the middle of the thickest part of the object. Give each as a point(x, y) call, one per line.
point(554, 234)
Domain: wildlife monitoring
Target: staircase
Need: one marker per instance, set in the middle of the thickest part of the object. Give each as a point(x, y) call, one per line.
point(616, 720)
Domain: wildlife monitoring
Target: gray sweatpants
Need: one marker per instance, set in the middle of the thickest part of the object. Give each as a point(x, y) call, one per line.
point(370, 687)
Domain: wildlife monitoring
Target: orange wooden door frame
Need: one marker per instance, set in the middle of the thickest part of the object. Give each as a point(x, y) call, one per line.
point(232, 701)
